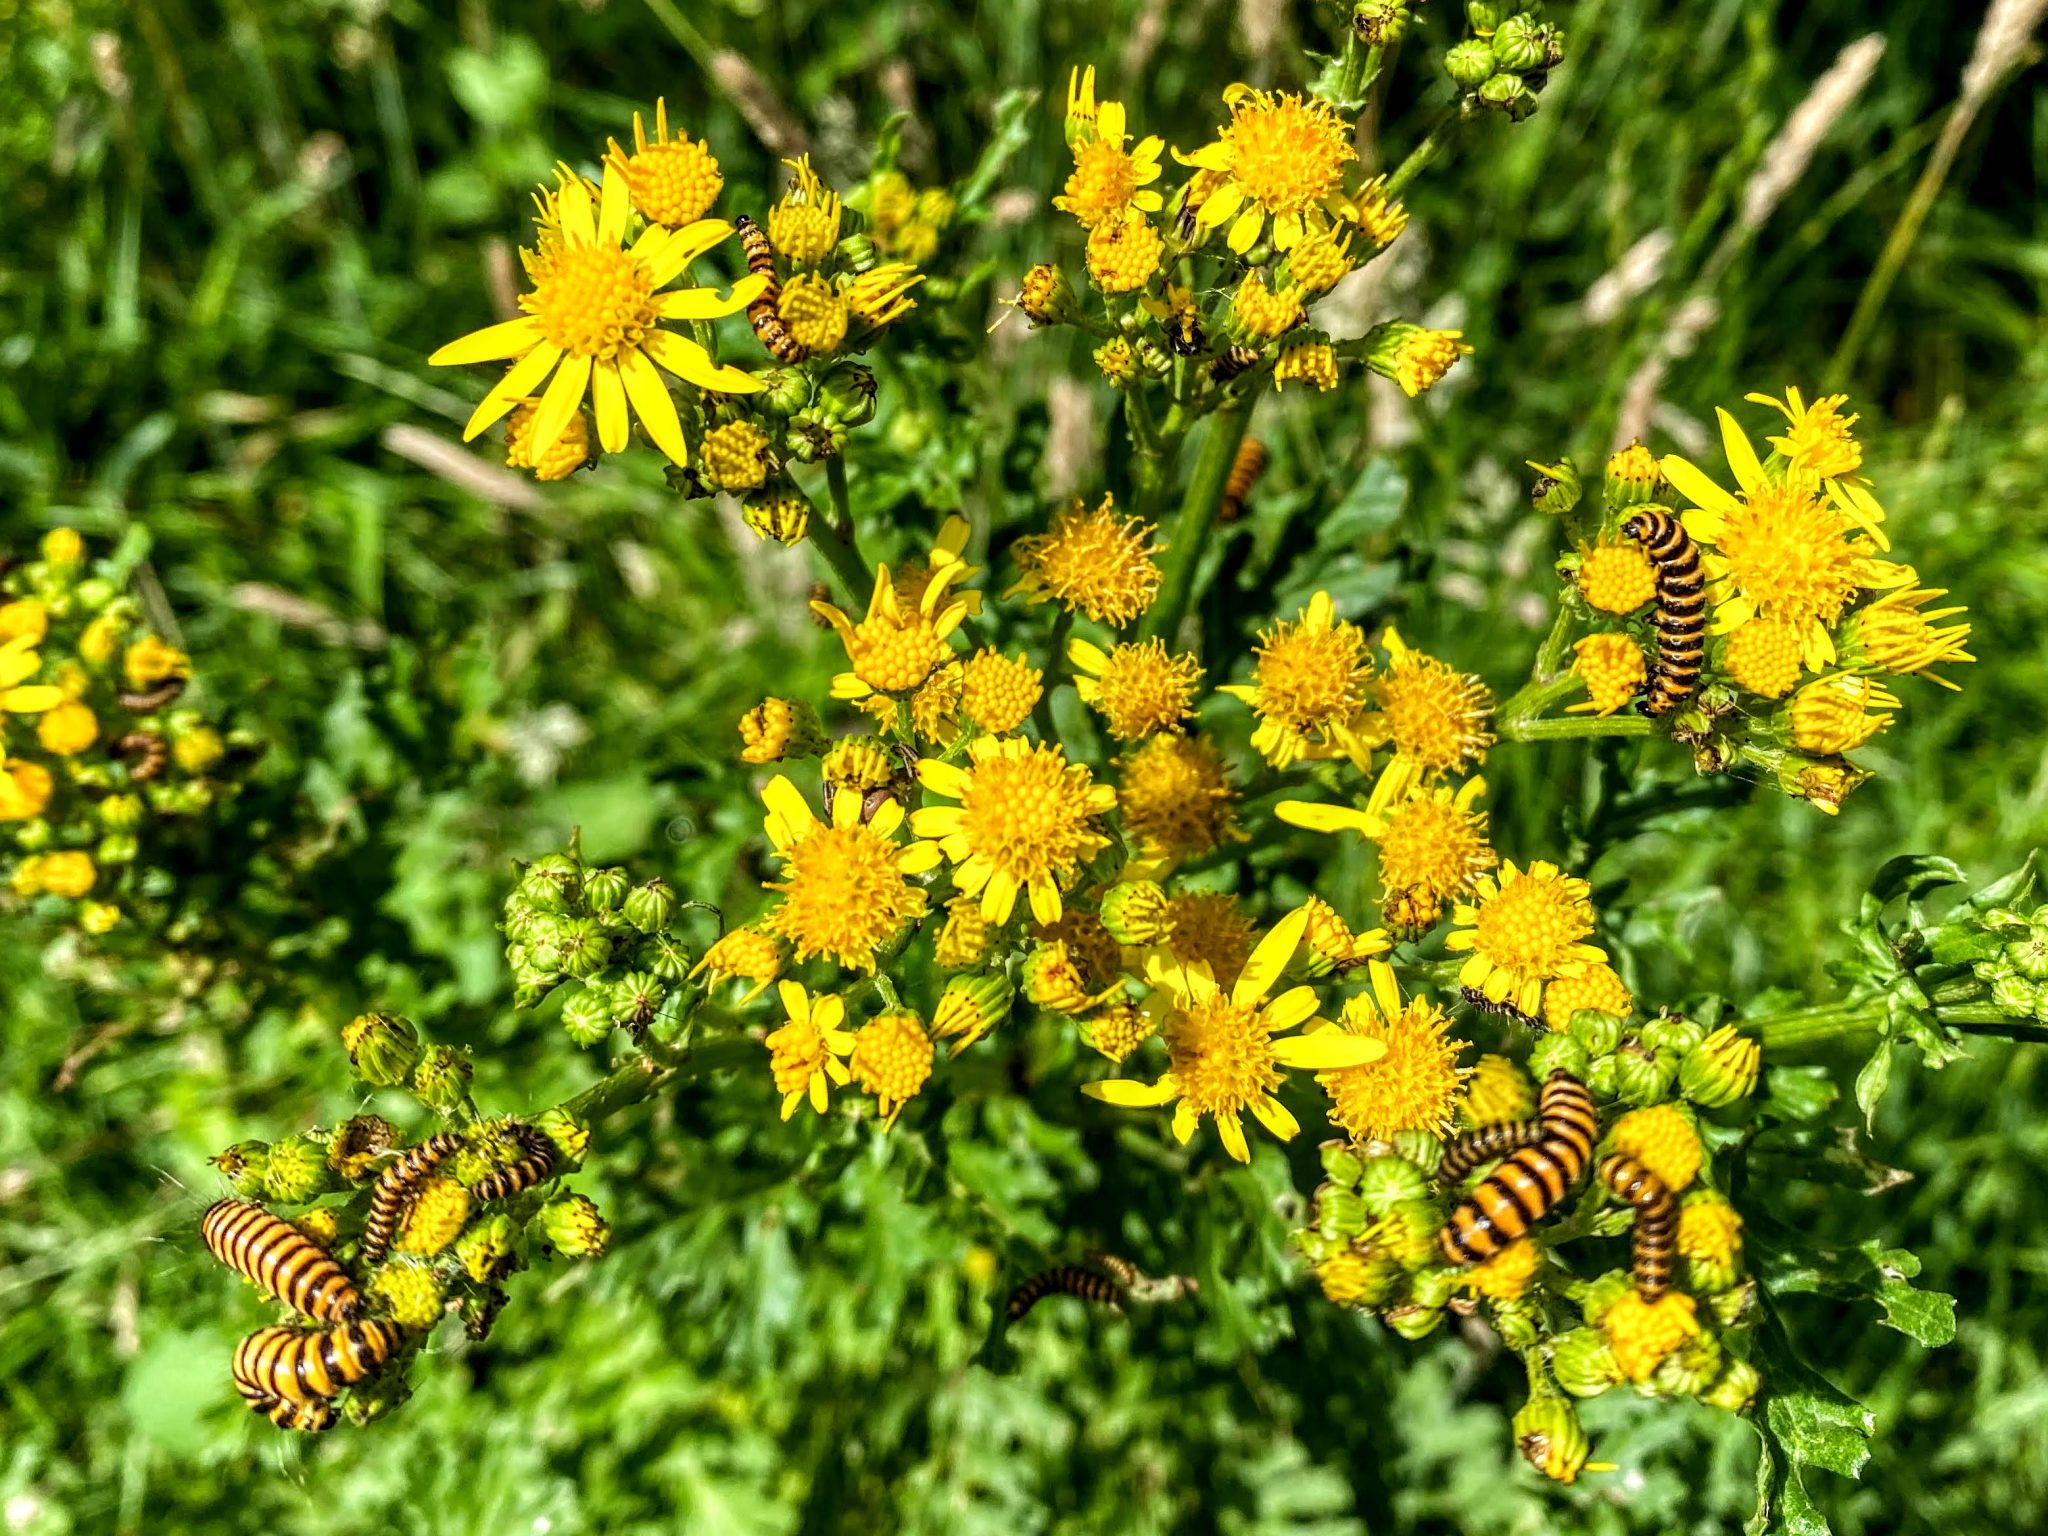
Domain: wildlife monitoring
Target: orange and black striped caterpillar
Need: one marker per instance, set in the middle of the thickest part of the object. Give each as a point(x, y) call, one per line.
point(148, 702)
point(1476, 1148)
point(1681, 616)
point(150, 751)
point(394, 1191)
point(1080, 1280)
point(1530, 1181)
point(1245, 470)
point(763, 314)
point(539, 1162)
point(280, 1258)
point(1231, 363)
point(292, 1375)
point(1655, 1238)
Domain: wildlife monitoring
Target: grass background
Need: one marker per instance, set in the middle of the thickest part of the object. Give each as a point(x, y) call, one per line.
point(232, 232)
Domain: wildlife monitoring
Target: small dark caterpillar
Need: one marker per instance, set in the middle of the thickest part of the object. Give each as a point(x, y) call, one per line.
point(1245, 470)
point(280, 1258)
point(477, 1323)
point(1528, 1182)
point(763, 314)
point(502, 1183)
point(1656, 1231)
point(1232, 363)
point(149, 749)
point(1474, 998)
point(1473, 1148)
point(1069, 1280)
point(395, 1186)
point(1681, 616)
point(292, 1375)
point(150, 701)
point(1117, 1267)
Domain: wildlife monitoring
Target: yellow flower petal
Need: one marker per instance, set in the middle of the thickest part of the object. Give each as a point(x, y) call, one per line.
point(508, 338)
point(653, 405)
point(1132, 1095)
point(1327, 1050)
point(1749, 472)
point(520, 381)
point(608, 395)
point(1270, 958)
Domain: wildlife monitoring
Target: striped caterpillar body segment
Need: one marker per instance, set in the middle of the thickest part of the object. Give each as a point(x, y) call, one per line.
point(395, 1186)
point(764, 314)
point(1656, 1231)
point(1232, 363)
point(502, 1183)
point(151, 751)
point(281, 1259)
point(292, 1375)
point(1067, 1280)
point(1530, 1181)
point(1474, 998)
point(149, 702)
point(1117, 1267)
point(1484, 1145)
point(1681, 617)
point(1245, 470)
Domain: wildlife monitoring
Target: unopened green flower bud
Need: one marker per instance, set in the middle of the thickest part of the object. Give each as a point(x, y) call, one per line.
point(297, 1171)
point(571, 1137)
point(1634, 478)
point(1551, 1438)
point(358, 1143)
point(664, 956)
point(1470, 63)
point(1689, 1369)
point(1642, 1075)
point(487, 1250)
point(1485, 15)
point(788, 391)
point(519, 920)
point(1379, 22)
point(1342, 1163)
point(635, 999)
point(1412, 1321)
point(121, 813)
point(1601, 1075)
point(33, 835)
point(2013, 994)
point(1135, 912)
point(553, 883)
point(848, 394)
point(1597, 1295)
point(1519, 1323)
point(1339, 1213)
point(1420, 1148)
point(2029, 955)
point(435, 1218)
point(857, 251)
point(378, 1397)
point(246, 1167)
point(1047, 298)
point(605, 889)
point(1720, 1069)
point(412, 1294)
point(1504, 92)
point(815, 434)
point(1557, 1053)
point(1557, 489)
point(1408, 1232)
point(1387, 1181)
point(1583, 1362)
point(587, 1016)
point(574, 1227)
point(1735, 1388)
point(1434, 1286)
point(1731, 1306)
point(651, 907)
point(1516, 45)
point(116, 848)
point(441, 1080)
point(1599, 1033)
point(586, 947)
point(1673, 1033)
point(970, 1007)
point(382, 1048)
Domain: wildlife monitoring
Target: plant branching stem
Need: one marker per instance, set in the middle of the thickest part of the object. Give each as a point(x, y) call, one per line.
point(1433, 144)
point(637, 1080)
point(831, 534)
point(1522, 718)
point(1190, 535)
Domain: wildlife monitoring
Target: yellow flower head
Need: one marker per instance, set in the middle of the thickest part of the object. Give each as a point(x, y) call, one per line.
point(892, 1059)
point(1663, 1140)
point(69, 873)
point(1260, 313)
point(569, 452)
point(804, 226)
point(1897, 634)
point(998, 693)
point(1281, 155)
point(1333, 945)
point(881, 295)
point(1309, 687)
point(1175, 798)
point(935, 707)
point(19, 662)
point(1320, 262)
point(68, 729)
point(1122, 256)
point(1119, 364)
point(1497, 1093)
point(1840, 713)
point(1225, 1050)
point(898, 645)
point(1710, 1230)
point(672, 182)
point(24, 790)
point(1641, 1333)
point(1377, 217)
point(1119, 1029)
point(1414, 1084)
point(1599, 988)
point(1434, 716)
point(1817, 439)
point(776, 729)
point(1025, 823)
point(1617, 578)
point(27, 616)
point(1139, 688)
point(813, 311)
point(1612, 668)
point(1054, 980)
point(808, 1054)
point(149, 661)
point(1763, 657)
point(1523, 930)
point(1433, 841)
point(593, 321)
point(1312, 362)
point(1415, 357)
point(1091, 562)
point(1786, 546)
point(1110, 181)
point(1506, 1275)
point(1635, 474)
point(963, 940)
point(843, 890)
point(1208, 928)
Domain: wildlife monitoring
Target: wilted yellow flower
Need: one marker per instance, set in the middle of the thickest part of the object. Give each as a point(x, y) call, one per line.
point(672, 182)
point(804, 226)
point(1123, 256)
point(935, 707)
point(1110, 181)
point(998, 693)
point(1840, 713)
point(1617, 578)
point(1599, 988)
point(1175, 799)
point(1225, 1050)
point(1523, 930)
point(1092, 562)
point(1413, 1086)
point(1896, 634)
point(1312, 362)
point(1333, 945)
point(807, 1056)
point(1612, 668)
point(844, 894)
point(1309, 687)
point(1281, 155)
point(892, 1059)
point(1119, 1029)
point(1140, 688)
point(147, 662)
point(1208, 928)
point(1433, 716)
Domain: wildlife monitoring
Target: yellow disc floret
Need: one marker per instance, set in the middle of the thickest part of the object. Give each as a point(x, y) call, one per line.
point(1599, 988)
point(1641, 1333)
point(1523, 930)
point(1175, 798)
point(1663, 1140)
point(1094, 562)
point(1617, 578)
point(998, 693)
point(1123, 255)
point(672, 182)
point(1414, 1085)
point(1506, 1275)
point(892, 1058)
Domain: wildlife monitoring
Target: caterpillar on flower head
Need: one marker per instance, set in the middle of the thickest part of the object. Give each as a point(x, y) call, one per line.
point(1474, 1148)
point(1681, 616)
point(395, 1186)
point(1528, 1183)
point(1231, 363)
point(292, 1375)
point(151, 752)
point(765, 314)
point(1067, 1280)
point(145, 702)
point(1655, 1238)
point(281, 1259)
point(502, 1183)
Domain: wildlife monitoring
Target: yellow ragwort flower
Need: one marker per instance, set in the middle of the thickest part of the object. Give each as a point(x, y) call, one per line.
point(1433, 716)
point(24, 616)
point(844, 894)
point(1599, 988)
point(1612, 668)
point(1175, 799)
point(1260, 313)
point(1123, 256)
point(892, 1059)
point(1663, 1140)
point(1312, 362)
point(1818, 439)
point(1839, 713)
point(1378, 217)
point(1320, 262)
point(1281, 156)
point(1506, 1275)
point(1110, 182)
point(897, 645)
point(1763, 657)
point(1333, 945)
point(1524, 930)
point(1091, 562)
point(1415, 357)
point(775, 729)
point(672, 182)
point(1710, 1230)
point(1025, 823)
point(1896, 634)
point(813, 311)
point(1616, 578)
point(1119, 364)
point(1225, 1050)
point(1207, 928)
point(25, 789)
point(1119, 1029)
point(569, 453)
point(1433, 841)
point(935, 707)
point(1139, 688)
point(1309, 688)
point(804, 226)
point(150, 661)
point(68, 729)
point(1497, 1093)
point(1414, 1084)
point(881, 295)
point(998, 693)
point(595, 310)
point(19, 661)
point(856, 765)
point(1641, 1333)
point(808, 1054)
point(963, 939)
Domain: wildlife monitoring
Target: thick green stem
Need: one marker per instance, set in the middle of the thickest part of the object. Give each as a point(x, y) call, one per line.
point(1055, 668)
point(640, 1079)
point(1522, 717)
point(1816, 1026)
point(1432, 145)
point(831, 534)
point(1190, 535)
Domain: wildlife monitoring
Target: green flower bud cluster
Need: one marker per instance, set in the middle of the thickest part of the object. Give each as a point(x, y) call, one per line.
point(2014, 974)
point(1371, 1237)
point(1507, 61)
point(600, 936)
point(1651, 1063)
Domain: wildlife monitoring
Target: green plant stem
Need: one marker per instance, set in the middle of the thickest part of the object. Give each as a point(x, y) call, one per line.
point(1190, 536)
point(1803, 1027)
point(1055, 669)
point(641, 1078)
point(831, 534)
point(1522, 717)
point(1433, 144)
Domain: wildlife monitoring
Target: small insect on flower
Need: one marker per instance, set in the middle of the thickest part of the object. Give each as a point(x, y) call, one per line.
point(807, 1056)
point(1414, 1085)
point(1226, 1049)
point(844, 891)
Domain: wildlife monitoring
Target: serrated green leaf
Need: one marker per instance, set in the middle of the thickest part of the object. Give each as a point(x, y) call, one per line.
point(1799, 1093)
point(1927, 1317)
point(1872, 1081)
